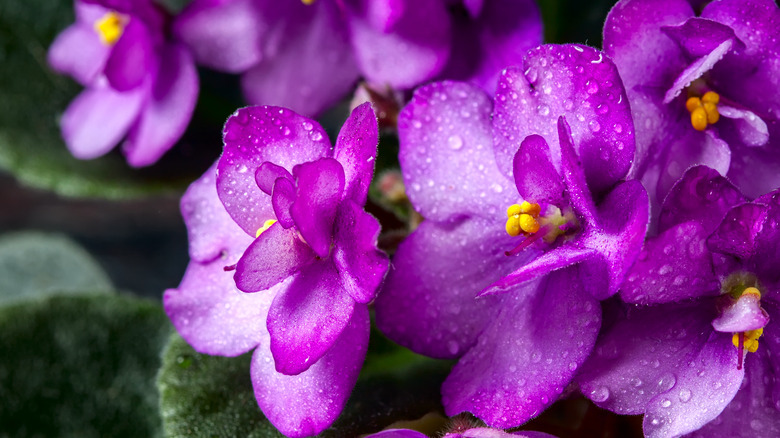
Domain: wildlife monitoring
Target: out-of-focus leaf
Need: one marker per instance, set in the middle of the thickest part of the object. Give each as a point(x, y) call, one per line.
point(35, 264)
point(80, 366)
point(574, 21)
point(210, 396)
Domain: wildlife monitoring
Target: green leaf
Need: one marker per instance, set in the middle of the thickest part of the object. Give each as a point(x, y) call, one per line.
point(35, 264)
point(211, 396)
point(33, 97)
point(81, 366)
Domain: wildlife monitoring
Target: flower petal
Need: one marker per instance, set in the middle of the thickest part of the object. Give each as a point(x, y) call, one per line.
point(742, 127)
point(767, 253)
point(535, 176)
point(355, 149)
point(78, 52)
point(167, 110)
point(696, 69)
point(320, 185)
point(275, 255)
point(305, 404)
point(574, 177)
point(361, 265)
point(698, 37)
point(308, 316)
point(397, 433)
point(674, 266)
point(577, 82)
point(132, 58)
point(527, 355)
point(741, 315)
point(252, 136)
point(428, 301)
point(98, 118)
point(738, 234)
point(282, 199)
point(446, 156)
point(266, 175)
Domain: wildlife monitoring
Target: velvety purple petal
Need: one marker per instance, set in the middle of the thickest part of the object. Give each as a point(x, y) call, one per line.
point(741, 315)
point(754, 170)
point(210, 230)
point(210, 313)
point(167, 109)
point(313, 40)
point(266, 175)
point(696, 69)
point(578, 190)
point(705, 385)
point(554, 259)
point(414, 51)
point(320, 185)
point(484, 432)
point(737, 234)
point(398, 433)
point(78, 52)
point(673, 266)
point(446, 156)
point(701, 195)
point(528, 354)
point(428, 300)
point(361, 265)
point(307, 317)
point(275, 255)
point(252, 136)
point(282, 199)
point(535, 176)
point(97, 119)
point(767, 252)
point(750, 129)
point(306, 404)
point(132, 57)
point(698, 37)
point(224, 35)
point(355, 149)
point(583, 85)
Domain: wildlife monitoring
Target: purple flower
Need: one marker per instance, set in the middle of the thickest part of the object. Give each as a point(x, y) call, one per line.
point(306, 55)
point(520, 347)
point(287, 208)
point(476, 432)
point(703, 89)
point(708, 286)
point(139, 84)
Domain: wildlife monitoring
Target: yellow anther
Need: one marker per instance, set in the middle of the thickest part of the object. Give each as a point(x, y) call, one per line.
point(266, 225)
point(751, 291)
point(109, 28)
point(528, 223)
point(704, 110)
point(750, 340)
point(513, 210)
point(308, 2)
point(522, 218)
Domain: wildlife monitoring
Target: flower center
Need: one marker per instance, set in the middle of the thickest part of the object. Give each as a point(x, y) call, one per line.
point(110, 27)
point(704, 110)
point(526, 219)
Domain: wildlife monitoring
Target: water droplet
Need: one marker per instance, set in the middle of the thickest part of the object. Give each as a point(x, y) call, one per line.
point(455, 142)
point(594, 126)
point(666, 403)
point(591, 86)
point(543, 110)
point(665, 269)
point(685, 395)
point(600, 394)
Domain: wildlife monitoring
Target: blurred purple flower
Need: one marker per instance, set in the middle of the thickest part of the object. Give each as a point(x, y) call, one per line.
point(308, 250)
point(476, 432)
point(139, 84)
point(519, 349)
point(709, 284)
point(703, 90)
point(306, 55)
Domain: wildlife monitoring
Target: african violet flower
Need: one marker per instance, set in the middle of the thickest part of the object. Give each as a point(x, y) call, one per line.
point(476, 432)
point(138, 83)
point(287, 208)
point(520, 347)
point(306, 55)
point(711, 289)
point(703, 89)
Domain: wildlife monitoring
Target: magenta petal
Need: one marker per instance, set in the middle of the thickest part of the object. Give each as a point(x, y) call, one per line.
point(701, 195)
point(167, 110)
point(698, 37)
point(398, 433)
point(266, 175)
point(705, 385)
point(252, 136)
point(77, 51)
point(415, 300)
point(580, 197)
point(355, 149)
point(741, 315)
point(275, 255)
point(750, 129)
point(738, 233)
point(320, 187)
point(697, 69)
point(305, 404)
point(583, 85)
point(282, 199)
point(224, 35)
point(535, 176)
point(767, 252)
point(307, 317)
point(446, 155)
point(674, 266)
point(132, 57)
point(97, 119)
point(361, 265)
point(527, 355)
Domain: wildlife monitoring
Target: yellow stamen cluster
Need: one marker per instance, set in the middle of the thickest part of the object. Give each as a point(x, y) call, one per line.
point(308, 2)
point(109, 28)
point(704, 110)
point(266, 225)
point(522, 218)
point(751, 336)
